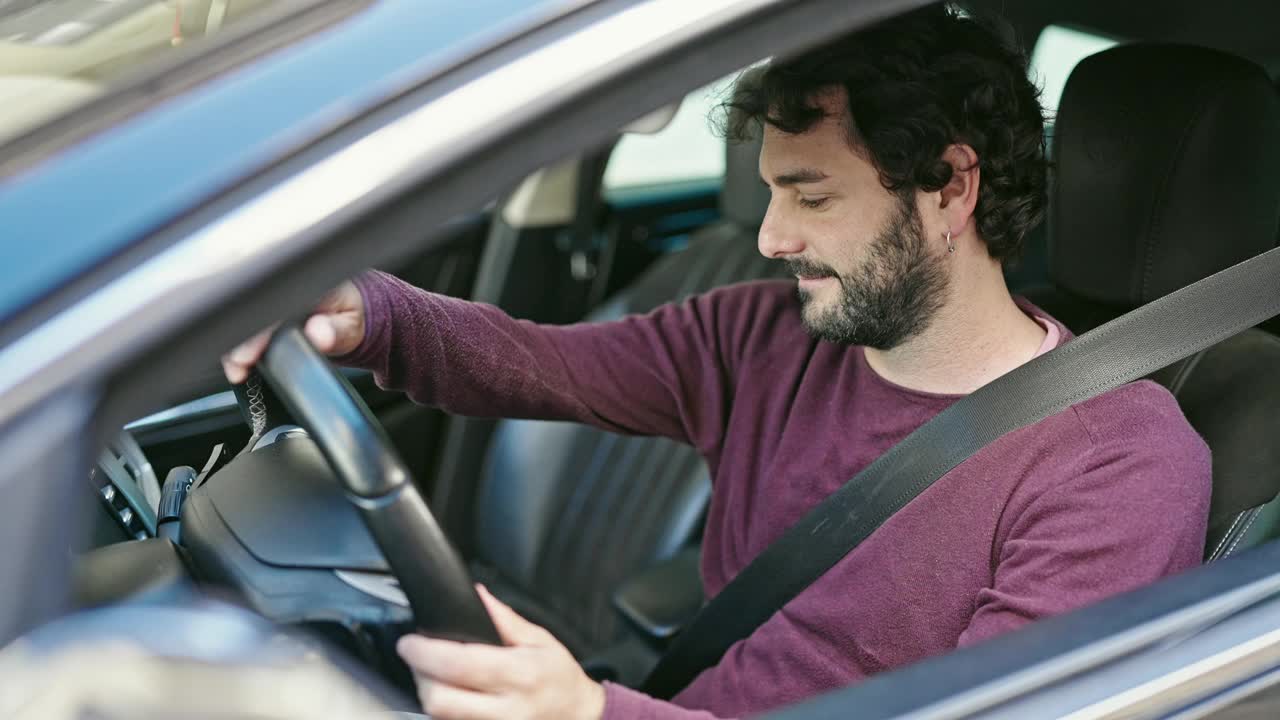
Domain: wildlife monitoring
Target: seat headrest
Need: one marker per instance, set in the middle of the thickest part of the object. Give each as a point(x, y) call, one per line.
point(1168, 170)
point(743, 198)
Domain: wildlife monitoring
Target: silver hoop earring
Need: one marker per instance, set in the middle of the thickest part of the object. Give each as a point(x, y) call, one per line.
point(951, 247)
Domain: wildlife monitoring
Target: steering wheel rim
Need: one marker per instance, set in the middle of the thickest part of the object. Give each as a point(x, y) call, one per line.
point(429, 569)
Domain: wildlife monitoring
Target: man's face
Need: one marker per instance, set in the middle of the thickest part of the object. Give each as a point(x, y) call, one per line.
point(868, 273)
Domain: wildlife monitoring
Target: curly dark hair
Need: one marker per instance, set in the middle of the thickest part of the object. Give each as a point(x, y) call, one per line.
point(917, 84)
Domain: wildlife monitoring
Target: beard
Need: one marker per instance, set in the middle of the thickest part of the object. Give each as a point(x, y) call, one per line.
point(890, 298)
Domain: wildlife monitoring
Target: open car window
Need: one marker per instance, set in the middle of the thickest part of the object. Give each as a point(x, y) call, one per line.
point(57, 55)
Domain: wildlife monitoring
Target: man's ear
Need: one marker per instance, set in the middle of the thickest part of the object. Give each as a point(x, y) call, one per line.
point(959, 197)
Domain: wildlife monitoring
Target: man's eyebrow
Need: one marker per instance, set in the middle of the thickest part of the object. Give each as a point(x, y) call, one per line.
point(797, 177)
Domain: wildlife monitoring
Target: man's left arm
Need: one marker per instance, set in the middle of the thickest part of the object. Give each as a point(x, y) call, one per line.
point(1132, 514)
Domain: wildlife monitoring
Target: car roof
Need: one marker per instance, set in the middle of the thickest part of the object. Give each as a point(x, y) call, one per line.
point(84, 203)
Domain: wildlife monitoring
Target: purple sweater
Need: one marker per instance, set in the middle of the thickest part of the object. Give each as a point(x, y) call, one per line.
point(1103, 497)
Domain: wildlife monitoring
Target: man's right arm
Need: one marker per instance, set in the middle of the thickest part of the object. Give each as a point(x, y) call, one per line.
point(657, 374)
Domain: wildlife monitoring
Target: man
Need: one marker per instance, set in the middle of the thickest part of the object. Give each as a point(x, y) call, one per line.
point(905, 165)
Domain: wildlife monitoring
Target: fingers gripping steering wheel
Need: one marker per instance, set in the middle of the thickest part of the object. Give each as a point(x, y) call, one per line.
point(429, 569)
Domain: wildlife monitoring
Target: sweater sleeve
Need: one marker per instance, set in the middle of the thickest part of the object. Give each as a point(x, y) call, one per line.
point(657, 374)
point(621, 703)
point(1131, 512)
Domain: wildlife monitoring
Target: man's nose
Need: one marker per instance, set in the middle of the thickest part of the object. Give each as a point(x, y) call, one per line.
point(775, 239)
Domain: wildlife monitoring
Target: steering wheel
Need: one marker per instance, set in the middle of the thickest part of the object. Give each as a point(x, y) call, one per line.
point(430, 570)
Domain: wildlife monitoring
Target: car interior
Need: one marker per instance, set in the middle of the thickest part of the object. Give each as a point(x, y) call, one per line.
point(1166, 155)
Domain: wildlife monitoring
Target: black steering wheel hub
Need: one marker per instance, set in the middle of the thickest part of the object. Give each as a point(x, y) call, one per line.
point(284, 522)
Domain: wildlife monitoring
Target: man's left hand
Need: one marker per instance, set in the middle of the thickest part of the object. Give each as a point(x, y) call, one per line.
point(533, 677)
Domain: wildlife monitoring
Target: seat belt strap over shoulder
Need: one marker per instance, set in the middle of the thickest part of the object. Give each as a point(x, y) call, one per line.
point(1126, 349)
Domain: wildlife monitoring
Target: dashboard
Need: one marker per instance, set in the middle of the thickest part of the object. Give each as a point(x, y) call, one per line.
point(269, 529)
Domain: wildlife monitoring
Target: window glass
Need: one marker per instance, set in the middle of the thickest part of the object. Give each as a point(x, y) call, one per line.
point(57, 54)
point(1057, 51)
point(688, 149)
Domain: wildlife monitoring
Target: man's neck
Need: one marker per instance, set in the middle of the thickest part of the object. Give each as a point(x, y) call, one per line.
point(978, 335)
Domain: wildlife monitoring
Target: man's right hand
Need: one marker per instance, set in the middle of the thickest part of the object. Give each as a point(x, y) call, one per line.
point(336, 327)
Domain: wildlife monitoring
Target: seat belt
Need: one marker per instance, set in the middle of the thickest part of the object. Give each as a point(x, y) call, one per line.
point(1125, 349)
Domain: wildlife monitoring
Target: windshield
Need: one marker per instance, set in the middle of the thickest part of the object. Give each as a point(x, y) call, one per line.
point(59, 54)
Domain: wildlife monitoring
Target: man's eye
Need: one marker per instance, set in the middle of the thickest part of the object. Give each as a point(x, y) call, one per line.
point(813, 203)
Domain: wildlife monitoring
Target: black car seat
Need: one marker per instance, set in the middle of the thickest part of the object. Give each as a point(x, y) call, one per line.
point(1168, 170)
point(565, 513)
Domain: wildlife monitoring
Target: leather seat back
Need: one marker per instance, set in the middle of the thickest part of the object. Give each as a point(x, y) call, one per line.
point(1168, 171)
point(566, 513)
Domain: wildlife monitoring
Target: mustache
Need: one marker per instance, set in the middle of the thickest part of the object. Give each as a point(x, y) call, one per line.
point(809, 268)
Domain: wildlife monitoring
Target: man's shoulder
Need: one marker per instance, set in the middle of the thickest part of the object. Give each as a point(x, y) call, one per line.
point(1133, 440)
point(1139, 431)
point(1128, 453)
point(1141, 413)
